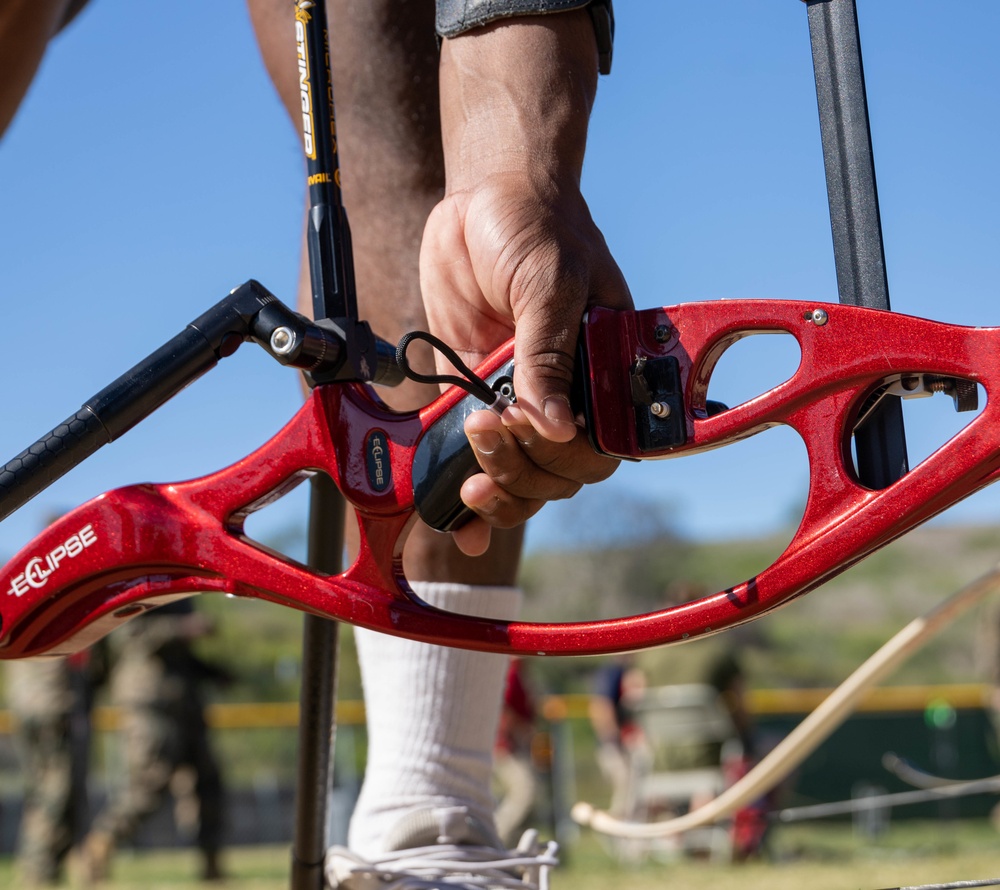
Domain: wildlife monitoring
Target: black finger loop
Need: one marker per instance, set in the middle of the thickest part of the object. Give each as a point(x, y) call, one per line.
point(471, 382)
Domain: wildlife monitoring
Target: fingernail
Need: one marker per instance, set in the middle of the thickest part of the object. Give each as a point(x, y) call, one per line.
point(523, 432)
point(486, 442)
point(557, 409)
point(487, 507)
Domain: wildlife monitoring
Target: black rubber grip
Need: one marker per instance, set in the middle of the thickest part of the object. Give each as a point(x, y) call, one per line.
point(443, 460)
point(52, 456)
point(133, 396)
point(153, 381)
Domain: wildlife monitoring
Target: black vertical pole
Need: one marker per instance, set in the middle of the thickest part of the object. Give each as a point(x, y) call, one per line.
point(854, 215)
point(332, 279)
point(317, 696)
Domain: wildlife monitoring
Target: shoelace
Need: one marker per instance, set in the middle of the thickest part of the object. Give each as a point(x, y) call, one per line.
point(461, 867)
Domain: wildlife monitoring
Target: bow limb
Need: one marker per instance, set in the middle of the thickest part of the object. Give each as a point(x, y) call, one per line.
point(139, 546)
point(811, 732)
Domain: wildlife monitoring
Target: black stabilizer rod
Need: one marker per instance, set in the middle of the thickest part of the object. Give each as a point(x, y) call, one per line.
point(133, 396)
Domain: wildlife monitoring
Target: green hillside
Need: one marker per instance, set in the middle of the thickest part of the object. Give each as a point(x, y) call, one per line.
point(814, 641)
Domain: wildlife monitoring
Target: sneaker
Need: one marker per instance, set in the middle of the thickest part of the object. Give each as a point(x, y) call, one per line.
point(445, 849)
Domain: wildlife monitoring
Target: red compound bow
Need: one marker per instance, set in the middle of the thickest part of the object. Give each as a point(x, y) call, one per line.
point(646, 377)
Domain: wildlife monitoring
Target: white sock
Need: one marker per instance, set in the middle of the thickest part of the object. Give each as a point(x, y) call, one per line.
point(432, 718)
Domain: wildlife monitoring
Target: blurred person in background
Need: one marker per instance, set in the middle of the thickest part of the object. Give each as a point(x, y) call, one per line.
point(514, 770)
point(51, 700)
point(618, 735)
point(158, 681)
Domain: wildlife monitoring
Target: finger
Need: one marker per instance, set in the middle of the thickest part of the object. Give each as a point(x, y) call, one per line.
point(547, 330)
point(473, 538)
point(575, 460)
point(496, 506)
point(544, 340)
point(524, 463)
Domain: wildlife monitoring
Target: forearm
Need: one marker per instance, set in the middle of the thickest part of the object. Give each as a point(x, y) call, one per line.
point(516, 97)
point(512, 249)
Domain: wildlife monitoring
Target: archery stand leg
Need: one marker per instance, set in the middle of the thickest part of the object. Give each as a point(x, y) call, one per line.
point(318, 695)
point(854, 214)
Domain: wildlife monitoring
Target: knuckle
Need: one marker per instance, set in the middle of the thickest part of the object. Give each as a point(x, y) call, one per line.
point(515, 512)
point(514, 480)
point(600, 470)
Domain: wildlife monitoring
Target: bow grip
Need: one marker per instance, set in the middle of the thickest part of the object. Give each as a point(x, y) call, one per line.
point(444, 459)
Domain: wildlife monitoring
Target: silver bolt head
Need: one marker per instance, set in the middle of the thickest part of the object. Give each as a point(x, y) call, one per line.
point(660, 409)
point(819, 317)
point(282, 341)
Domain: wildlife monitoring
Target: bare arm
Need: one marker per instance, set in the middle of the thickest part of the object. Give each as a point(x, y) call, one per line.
point(512, 249)
point(26, 27)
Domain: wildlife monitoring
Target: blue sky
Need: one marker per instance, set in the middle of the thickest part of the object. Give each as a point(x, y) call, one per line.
point(151, 170)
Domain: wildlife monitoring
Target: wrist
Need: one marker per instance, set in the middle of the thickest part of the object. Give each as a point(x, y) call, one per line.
point(516, 97)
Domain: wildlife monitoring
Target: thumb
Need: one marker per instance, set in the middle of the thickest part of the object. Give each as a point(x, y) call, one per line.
point(545, 340)
point(543, 373)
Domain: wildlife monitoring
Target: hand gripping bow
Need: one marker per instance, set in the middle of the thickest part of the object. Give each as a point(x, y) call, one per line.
point(643, 382)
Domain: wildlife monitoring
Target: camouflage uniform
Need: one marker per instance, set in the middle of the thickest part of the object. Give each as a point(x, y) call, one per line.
point(50, 700)
point(157, 681)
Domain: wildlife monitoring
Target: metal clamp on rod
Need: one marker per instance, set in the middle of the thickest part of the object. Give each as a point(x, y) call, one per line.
point(326, 351)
